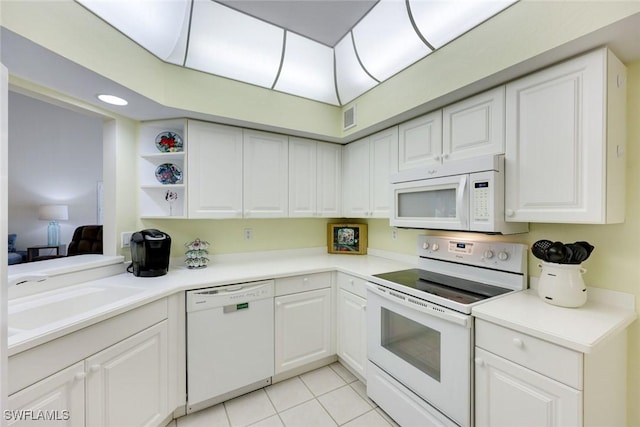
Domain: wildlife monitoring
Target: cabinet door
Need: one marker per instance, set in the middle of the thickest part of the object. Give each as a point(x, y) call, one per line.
point(329, 180)
point(507, 394)
point(59, 398)
point(127, 383)
point(266, 175)
point(474, 127)
point(420, 141)
point(356, 186)
point(302, 177)
point(302, 328)
point(555, 160)
point(215, 171)
point(382, 147)
point(352, 331)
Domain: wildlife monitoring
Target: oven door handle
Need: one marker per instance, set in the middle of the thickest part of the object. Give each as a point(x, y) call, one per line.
point(420, 305)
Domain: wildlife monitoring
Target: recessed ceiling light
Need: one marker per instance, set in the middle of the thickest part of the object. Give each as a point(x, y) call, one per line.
point(112, 99)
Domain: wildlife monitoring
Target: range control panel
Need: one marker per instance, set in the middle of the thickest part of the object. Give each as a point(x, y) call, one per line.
point(490, 254)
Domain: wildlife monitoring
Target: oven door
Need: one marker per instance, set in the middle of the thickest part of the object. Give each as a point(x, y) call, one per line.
point(425, 347)
point(436, 203)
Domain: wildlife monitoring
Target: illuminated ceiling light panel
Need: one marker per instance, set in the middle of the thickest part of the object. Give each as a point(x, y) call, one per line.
point(112, 99)
point(386, 41)
point(351, 79)
point(144, 21)
point(439, 21)
point(307, 70)
point(234, 45)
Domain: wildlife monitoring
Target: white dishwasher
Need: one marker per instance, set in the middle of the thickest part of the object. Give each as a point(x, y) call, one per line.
point(229, 342)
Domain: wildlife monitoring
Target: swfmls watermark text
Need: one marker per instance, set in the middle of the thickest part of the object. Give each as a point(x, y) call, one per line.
point(36, 415)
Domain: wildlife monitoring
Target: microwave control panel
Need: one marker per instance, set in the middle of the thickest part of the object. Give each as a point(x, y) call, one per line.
point(481, 200)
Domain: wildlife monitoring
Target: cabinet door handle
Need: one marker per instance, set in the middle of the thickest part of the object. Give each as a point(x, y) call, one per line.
point(479, 361)
point(79, 376)
point(517, 342)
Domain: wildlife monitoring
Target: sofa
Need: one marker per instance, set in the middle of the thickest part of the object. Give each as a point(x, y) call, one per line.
point(15, 256)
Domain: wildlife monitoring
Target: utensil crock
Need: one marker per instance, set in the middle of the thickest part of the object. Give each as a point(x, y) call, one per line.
point(562, 284)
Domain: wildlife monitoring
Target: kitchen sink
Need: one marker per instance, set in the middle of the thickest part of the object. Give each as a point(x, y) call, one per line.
point(37, 311)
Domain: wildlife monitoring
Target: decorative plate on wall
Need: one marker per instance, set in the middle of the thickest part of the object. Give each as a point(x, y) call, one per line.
point(169, 142)
point(168, 173)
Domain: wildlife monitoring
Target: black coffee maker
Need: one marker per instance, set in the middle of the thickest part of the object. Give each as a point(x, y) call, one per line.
point(149, 253)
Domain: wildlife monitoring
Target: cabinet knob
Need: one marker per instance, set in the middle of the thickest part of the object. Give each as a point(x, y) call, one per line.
point(479, 361)
point(509, 213)
point(517, 342)
point(351, 281)
point(79, 376)
point(94, 368)
point(305, 280)
point(445, 156)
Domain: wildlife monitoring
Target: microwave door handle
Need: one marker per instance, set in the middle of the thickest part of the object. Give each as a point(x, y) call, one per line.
point(461, 199)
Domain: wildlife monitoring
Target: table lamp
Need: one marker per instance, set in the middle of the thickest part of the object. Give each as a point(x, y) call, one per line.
point(53, 213)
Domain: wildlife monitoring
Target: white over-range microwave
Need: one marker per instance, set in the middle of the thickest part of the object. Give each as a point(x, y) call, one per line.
point(464, 195)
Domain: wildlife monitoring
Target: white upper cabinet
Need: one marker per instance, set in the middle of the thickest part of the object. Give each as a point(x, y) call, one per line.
point(565, 142)
point(215, 188)
point(383, 149)
point(265, 175)
point(367, 164)
point(420, 141)
point(474, 127)
point(356, 187)
point(470, 128)
point(315, 170)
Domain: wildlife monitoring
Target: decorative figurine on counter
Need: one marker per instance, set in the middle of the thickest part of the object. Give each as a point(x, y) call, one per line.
point(197, 254)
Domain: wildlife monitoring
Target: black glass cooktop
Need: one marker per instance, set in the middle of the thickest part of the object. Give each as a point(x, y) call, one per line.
point(452, 288)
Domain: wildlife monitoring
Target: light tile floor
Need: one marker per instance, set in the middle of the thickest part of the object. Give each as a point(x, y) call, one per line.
point(329, 396)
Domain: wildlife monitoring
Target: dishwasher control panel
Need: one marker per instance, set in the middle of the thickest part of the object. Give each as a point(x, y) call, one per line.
point(237, 296)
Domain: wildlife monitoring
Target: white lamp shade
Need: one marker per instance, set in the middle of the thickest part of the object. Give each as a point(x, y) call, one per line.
point(53, 213)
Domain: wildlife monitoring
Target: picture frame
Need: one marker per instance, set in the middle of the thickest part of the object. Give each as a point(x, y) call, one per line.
point(348, 239)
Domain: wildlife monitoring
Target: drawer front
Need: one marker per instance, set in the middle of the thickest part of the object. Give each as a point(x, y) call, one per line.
point(352, 284)
point(304, 282)
point(548, 359)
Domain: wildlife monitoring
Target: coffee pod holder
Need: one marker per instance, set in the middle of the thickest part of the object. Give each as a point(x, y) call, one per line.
point(562, 284)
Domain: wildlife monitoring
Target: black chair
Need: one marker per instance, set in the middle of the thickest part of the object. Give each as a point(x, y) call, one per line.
point(87, 239)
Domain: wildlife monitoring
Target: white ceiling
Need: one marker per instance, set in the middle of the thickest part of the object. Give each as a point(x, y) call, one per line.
point(324, 21)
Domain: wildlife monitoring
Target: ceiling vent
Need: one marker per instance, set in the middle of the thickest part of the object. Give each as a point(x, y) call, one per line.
point(349, 118)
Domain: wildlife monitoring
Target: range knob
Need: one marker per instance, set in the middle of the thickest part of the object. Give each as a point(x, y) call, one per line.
point(425, 245)
point(488, 254)
point(503, 256)
point(435, 247)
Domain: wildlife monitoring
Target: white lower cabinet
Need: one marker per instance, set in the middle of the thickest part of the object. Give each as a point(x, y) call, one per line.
point(127, 383)
point(508, 394)
point(303, 321)
point(352, 323)
point(123, 385)
point(521, 380)
point(58, 398)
